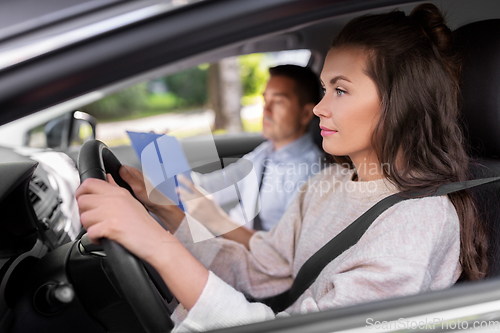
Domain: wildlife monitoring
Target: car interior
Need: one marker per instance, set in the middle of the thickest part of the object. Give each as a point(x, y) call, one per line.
point(480, 110)
point(52, 279)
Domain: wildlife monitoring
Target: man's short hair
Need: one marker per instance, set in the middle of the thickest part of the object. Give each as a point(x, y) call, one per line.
point(307, 84)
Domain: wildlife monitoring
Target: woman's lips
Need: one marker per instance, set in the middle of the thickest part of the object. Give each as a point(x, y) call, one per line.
point(326, 131)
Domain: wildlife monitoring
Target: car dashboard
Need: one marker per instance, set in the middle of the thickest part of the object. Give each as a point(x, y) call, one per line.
point(36, 216)
point(49, 194)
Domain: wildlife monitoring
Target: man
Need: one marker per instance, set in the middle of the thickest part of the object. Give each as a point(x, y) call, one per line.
point(283, 162)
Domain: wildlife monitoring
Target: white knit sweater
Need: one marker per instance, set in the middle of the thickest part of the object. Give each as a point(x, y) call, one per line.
point(412, 247)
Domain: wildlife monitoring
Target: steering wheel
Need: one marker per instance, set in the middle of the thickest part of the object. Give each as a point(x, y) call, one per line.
point(94, 161)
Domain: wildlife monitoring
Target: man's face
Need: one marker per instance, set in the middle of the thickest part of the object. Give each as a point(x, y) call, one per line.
point(284, 118)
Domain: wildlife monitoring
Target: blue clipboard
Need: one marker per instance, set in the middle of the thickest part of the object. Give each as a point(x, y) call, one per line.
point(162, 159)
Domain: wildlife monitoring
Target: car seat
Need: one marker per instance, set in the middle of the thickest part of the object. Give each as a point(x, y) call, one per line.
point(479, 47)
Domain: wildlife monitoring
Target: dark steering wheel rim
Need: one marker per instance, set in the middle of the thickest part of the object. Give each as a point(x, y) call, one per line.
point(94, 161)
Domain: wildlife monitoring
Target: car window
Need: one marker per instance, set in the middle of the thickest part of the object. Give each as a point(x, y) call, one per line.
point(227, 95)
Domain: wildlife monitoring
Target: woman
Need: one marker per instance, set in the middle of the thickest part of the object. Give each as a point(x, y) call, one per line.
point(389, 115)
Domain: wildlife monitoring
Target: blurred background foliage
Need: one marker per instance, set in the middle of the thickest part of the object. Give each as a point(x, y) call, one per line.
point(254, 75)
point(122, 103)
point(182, 91)
point(189, 86)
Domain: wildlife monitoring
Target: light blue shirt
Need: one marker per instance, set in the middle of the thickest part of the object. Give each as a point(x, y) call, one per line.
point(286, 171)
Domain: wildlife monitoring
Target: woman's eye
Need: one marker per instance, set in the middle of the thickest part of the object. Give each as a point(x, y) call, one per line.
point(339, 91)
point(323, 90)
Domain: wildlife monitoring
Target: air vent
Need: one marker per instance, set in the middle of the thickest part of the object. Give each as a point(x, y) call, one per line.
point(40, 183)
point(34, 198)
point(36, 189)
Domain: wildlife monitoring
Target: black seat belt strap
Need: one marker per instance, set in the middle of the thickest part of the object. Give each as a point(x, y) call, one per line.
point(351, 235)
point(257, 221)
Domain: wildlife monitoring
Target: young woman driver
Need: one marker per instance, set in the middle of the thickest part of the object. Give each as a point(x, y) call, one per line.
point(389, 115)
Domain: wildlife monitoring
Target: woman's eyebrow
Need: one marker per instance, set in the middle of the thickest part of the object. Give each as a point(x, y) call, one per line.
point(339, 77)
point(335, 79)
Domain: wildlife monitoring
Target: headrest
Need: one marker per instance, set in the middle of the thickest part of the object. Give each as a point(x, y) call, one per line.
point(479, 45)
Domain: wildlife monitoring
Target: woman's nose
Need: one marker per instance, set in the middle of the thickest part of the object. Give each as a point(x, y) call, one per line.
point(320, 110)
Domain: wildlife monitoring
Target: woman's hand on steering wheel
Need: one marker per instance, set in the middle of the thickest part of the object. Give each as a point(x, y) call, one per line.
point(156, 202)
point(110, 211)
point(137, 182)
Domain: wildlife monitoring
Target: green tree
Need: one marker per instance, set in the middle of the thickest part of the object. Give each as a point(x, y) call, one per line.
point(120, 104)
point(190, 86)
point(254, 73)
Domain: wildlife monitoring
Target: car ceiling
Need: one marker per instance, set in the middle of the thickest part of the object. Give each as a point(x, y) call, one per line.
point(175, 43)
point(20, 16)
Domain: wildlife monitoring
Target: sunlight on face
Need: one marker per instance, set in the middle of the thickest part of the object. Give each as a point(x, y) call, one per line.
point(351, 108)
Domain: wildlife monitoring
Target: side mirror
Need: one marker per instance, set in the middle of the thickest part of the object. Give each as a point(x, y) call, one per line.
point(54, 132)
point(82, 129)
point(71, 129)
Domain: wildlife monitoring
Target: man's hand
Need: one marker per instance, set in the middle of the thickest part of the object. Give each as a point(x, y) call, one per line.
point(200, 205)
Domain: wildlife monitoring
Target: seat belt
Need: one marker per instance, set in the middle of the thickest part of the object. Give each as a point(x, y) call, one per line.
point(350, 236)
point(257, 221)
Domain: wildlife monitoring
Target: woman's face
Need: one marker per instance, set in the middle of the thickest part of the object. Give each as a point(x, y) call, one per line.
point(350, 108)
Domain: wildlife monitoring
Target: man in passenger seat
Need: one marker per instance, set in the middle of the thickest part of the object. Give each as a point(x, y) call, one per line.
point(282, 163)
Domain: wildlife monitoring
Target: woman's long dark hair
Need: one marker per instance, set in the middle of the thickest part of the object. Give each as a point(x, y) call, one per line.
point(418, 136)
